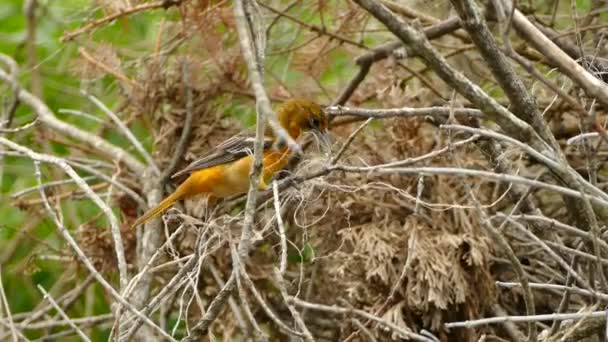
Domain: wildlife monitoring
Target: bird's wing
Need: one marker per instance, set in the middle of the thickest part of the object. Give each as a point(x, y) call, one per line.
point(233, 149)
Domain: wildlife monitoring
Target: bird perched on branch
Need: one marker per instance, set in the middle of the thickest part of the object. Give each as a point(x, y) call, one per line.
point(224, 171)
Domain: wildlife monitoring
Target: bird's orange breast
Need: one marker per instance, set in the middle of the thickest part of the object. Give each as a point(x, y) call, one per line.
point(274, 161)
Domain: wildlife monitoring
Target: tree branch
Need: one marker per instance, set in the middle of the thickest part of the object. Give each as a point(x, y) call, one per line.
point(47, 117)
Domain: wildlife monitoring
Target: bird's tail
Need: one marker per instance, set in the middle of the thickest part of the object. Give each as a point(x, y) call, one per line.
point(161, 207)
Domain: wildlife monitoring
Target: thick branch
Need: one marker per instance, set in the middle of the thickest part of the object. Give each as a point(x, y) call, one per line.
point(420, 44)
point(593, 86)
point(523, 104)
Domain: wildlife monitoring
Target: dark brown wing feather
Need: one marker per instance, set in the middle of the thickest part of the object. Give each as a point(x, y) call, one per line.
point(233, 149)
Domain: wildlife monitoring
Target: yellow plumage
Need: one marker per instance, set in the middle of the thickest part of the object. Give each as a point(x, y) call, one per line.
point(224, 179)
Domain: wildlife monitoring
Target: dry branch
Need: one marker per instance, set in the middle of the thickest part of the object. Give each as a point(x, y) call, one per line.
point(70, 240)
point(46, 116)
point(126, 12)
point(248, 36)
point(594, 87)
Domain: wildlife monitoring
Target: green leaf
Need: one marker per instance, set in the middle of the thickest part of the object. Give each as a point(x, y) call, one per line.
point(305, 256)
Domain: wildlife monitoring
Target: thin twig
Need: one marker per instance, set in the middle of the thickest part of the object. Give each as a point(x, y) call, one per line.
point(114, 227)
point(47, 117)
point(437, 112)
point(54, 323)
point(551, 287)
point(314, 28)
point(17, 129)
point(66, 235)
point(349, 141)
point(47, 185)
point(347, 311)
point(294, 313)
point(7, 309)
point(186, 129)
point(63, 314)
point(281, 225)
point(534, 318)
point(100, 65)
point(125, 130)
point(125, 12)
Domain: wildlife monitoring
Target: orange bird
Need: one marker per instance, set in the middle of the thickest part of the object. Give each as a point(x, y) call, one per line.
point(225, 170)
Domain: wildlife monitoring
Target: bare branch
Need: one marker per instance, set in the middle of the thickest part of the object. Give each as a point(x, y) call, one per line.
point(47, 117)
point(536, 318)
point(105, 20)
point(7, 309)
point(63, 314)
point(346, 311)
point(187, 129)
point(593, 86)
point(437, 112)
point(125, 130)
point(70, 240)
point(281, 225)
point(118, 245)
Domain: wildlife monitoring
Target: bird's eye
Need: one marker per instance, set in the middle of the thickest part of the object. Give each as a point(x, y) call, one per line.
point(315, 123)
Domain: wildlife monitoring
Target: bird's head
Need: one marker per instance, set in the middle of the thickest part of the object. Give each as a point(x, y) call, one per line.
point(300, 115)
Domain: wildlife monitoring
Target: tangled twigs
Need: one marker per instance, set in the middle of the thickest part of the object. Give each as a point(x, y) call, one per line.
point(314, 28)
point(187, 129)
point(246, 33)
point(418, 41)
point(383, 51)
point(363, 314)
point(593, 86)
point(70, 240)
